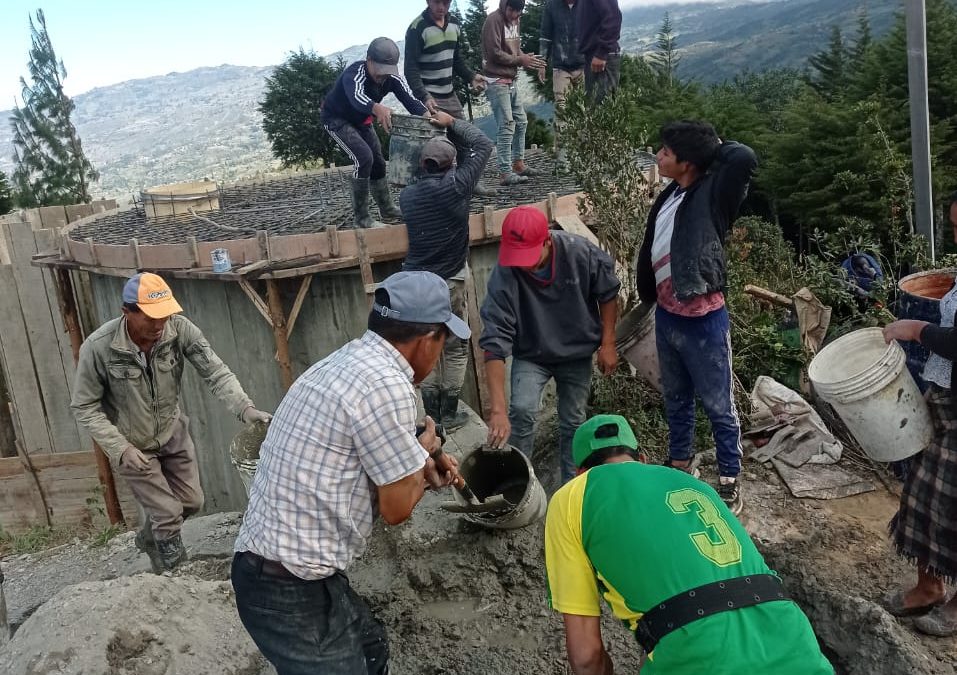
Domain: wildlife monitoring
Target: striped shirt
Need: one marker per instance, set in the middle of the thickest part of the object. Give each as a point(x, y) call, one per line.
point(355, 92)
point(346, 426)
point(432, 56)
point(661, 264)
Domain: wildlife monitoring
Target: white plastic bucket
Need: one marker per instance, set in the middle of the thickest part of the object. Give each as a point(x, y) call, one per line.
point(635, 339)
point(869, 387)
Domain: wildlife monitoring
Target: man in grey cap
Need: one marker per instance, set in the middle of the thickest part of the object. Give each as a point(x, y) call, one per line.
point(342, 448)
point(436, 213)
point(347, 113)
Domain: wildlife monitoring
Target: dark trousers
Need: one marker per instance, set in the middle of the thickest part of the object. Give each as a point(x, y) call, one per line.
point(309, 627)
point(695, 358)
point(361, 145)
point(600, 85)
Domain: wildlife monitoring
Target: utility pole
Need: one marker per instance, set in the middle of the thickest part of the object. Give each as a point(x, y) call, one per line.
point(916, 18)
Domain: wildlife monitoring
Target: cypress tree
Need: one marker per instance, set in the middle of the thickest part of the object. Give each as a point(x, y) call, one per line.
point(6, 196)
point(51, 168)
point(666, 58)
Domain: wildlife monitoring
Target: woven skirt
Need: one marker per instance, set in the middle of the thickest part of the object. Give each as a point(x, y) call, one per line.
point(924, 530)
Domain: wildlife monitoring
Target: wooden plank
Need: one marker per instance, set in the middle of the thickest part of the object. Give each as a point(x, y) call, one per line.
point(574, 225)
point(478, 356)
point(32, 216)
point(256, 299)
point(365, 267)
point(18, 366)
point(75, 212)
point(46, 238)
point(297, 305)
point(38, 316)
point(52, 217)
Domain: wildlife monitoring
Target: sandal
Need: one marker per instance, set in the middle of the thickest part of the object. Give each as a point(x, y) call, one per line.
point(937, 623)
point(893, 602)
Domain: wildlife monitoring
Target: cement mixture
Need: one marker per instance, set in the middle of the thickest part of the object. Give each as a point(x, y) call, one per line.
point(456, 599)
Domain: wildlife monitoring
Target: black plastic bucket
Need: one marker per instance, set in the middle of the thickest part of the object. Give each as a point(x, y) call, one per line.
point(919, 298)
point(408, 136)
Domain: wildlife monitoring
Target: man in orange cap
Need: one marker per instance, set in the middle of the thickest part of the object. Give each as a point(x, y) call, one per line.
point(552, 303)
point(126, 395)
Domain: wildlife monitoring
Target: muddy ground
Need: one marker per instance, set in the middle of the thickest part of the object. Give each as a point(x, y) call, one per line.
point(455, 599)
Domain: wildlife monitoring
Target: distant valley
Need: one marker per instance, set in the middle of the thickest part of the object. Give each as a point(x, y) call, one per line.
point(205, 122)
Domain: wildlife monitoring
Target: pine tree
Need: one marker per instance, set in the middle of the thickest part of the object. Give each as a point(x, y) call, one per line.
point(51, 168)
point(472, 22)
point(830, 67)
point(291, 106)
point(666, 58)
point(6, 195)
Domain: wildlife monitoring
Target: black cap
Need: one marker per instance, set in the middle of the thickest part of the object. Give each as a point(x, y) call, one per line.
point(384, 54)
point(517, 5)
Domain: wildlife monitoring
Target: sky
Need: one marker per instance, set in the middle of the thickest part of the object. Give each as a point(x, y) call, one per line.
point(103, 42)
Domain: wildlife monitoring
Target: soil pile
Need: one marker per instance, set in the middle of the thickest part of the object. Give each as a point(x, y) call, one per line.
point(140, 625)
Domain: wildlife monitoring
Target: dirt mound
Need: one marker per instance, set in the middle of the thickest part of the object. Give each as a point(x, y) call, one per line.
point(139, 625)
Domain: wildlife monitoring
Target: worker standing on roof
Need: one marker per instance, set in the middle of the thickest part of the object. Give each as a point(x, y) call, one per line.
point(347, 113)
point(342, 449)
point(552, 302)
point(436, 213)
point(126, 395)
point(433, 55)
point(674, 565)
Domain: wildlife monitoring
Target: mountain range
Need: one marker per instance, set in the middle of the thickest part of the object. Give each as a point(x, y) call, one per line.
point(205, 122)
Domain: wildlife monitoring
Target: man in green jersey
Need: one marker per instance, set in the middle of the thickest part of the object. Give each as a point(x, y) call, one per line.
point(673, 563)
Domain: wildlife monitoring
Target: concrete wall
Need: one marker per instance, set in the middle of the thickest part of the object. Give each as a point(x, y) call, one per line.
point(334, 312)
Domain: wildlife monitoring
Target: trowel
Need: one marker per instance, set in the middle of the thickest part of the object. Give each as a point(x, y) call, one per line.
point(475, 505)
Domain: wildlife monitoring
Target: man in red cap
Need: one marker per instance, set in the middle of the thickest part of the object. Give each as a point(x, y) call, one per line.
point(126, 395)
point(552, 302)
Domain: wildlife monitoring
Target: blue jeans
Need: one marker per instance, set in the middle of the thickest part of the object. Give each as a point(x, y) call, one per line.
point(511, 121)
point(573, 381)
point(307, 627)
point(695, 358)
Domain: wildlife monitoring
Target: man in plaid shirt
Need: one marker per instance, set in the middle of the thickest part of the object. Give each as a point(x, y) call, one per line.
point(341, 448)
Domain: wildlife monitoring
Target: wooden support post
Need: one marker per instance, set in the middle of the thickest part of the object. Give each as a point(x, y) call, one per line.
point(194, 251)
point(256, 300)
point(478, 356)
point(137, 258)
point(67, 302)
point(488, 221)
point(263, 238)
point(551, 207)
point(279, 332)
point(332, 231)
point(95, 259)
point(65, 246)
point(365, 267)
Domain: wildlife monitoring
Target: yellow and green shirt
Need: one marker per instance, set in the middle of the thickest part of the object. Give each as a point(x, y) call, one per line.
point(637, 535)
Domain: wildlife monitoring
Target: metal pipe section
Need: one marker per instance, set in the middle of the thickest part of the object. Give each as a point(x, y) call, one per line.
point(916, 21)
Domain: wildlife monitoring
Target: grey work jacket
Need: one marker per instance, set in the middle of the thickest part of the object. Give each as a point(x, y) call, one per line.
point(120, 402)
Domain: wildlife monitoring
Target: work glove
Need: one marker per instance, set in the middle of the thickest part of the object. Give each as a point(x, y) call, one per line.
point(134, 459)
point(253, 415)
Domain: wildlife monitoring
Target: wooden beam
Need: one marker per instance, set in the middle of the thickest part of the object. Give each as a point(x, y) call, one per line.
point(551, 207)
point(332, 231)
point(279, 332)
point(256, 300)
point(297, 305)
point(478, 356)
point(67, 302)
point(488, 221)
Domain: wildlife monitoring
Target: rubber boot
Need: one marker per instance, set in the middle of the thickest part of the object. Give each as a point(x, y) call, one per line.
point(483, 190)
point(171, 551)
point(360, 203)
point(146, 544)
point(452, 417)
point(432, 400)
point(383, 199)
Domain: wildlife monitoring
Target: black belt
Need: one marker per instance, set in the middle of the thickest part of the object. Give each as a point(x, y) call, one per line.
point(721, 596)
point(270, 567)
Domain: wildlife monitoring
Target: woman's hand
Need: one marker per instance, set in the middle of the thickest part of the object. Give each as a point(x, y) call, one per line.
point(908, 330)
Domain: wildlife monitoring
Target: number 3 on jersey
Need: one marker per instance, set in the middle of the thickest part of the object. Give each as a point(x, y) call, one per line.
point(717, 543)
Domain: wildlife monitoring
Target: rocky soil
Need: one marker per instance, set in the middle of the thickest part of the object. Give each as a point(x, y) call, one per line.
point(455, 598)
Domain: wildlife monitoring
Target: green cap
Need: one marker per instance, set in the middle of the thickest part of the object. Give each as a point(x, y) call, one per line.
point(585, 443)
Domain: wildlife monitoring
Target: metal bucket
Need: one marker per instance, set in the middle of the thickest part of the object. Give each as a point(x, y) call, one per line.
point(635, 340)
point(409, 134)
point(919, 298)
point(509, 473)
point(244, 451)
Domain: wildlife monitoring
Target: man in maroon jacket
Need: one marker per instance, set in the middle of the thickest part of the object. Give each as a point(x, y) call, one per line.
point(599, 30)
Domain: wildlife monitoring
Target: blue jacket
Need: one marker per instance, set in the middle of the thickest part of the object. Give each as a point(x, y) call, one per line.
point(355, 92)
point(701, 224)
